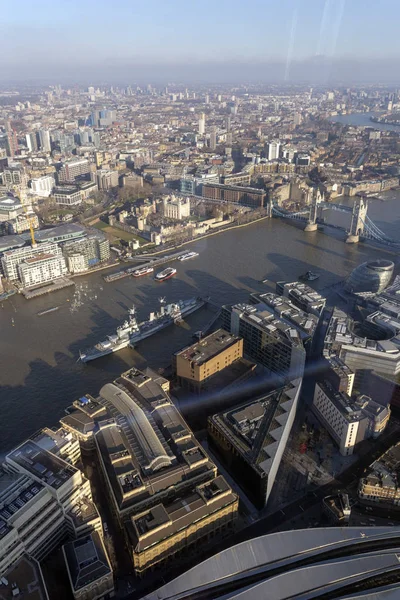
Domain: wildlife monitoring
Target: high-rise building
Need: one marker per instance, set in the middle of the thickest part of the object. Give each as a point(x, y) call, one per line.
point(273, 150)
point(42, 268)
point(269, 341)
point(12, 259)
point(12, 140)
point(213, 138)
point(202, 124)
point(31, 141)
point(251, 439)
point(44, 140)
point(107, 179)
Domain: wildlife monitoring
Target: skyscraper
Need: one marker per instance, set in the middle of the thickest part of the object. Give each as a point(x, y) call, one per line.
point(31, 141)
point(202, 124)
point(273, 150)
point(44, 140)
point(12, 142)
point(213, 138)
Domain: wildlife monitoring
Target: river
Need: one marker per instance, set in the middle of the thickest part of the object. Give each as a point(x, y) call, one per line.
point(363, 120)
point(39, 372)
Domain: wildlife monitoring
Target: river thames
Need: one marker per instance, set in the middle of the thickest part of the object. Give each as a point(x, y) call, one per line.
point(39, 372)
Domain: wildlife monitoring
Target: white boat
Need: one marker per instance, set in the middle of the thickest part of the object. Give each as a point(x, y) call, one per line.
point(165, 274)
point(142, 271)
point(188, 255)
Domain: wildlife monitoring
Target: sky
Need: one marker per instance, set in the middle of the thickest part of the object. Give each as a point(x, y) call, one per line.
point(281, 39)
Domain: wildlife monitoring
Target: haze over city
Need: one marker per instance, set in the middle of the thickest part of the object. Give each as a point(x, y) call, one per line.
point(315, 40)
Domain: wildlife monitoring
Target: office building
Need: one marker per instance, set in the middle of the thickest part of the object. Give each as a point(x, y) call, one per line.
point(241, 178)
point(163, 488)
point(89, 570)
point(246, 196)
point(202, 124)
point(12, 140)
point(107, 179)
point(251, 439)
point(268, 340)
point(273, 150)
point(72, 170)
point(10, 208)
point(59, 442)
point(22, 222)
point(43, 500)
point(302, 295)
point(24, 579)
point(360, 353)
point(370, 277)
point(31, 141)
point(339, 375)
point(213, 138)
point(67, 195)
point(83, 254)
point(44, 140)
point(360, 563)
point(197, 364)
point(348, 421)
point(380, 486)
point(337, 509)
point(12, 259)
point(42, 268)
point(43, 186)
point(283, 309)
point(175, 207)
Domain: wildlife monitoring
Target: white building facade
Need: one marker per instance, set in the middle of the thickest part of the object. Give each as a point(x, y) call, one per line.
point(43, 186)
point(42, 269)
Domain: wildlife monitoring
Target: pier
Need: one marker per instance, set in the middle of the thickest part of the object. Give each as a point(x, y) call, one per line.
point(153, 263)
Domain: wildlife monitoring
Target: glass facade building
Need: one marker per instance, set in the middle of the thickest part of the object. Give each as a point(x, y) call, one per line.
point(370, 277)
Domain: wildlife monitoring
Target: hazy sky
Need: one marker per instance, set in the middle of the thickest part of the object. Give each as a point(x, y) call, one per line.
point(96, 38)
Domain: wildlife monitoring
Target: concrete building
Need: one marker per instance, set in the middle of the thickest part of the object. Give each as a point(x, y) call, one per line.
point(268, 340)
point(44, 140)
point(12, 259)
point(380, 485)
point(22, 222)
point(251, 439)
point(107, 179)
point(14, 176)
point(89, 570)
point(213, 138)
point(348, 421)
point(83, 254)
point(10, 208)
point(24, 579)
point(43, 500)
point(31, 141)
point(339, 375)
point(175, 207)
point(246, 196)
point(153, 468)
point(273, 150)
point(198, 363)
point(73, 169)
point(337, 509)
point(302, 296)
point(202, 124)
point(67, 195)
point(59, 442)
point(42, 268)
point(43, 186)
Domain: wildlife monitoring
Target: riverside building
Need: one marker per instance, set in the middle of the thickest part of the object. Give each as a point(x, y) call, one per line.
point(163, 488)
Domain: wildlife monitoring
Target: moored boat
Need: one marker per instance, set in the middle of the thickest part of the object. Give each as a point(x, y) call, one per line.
point(165, 274)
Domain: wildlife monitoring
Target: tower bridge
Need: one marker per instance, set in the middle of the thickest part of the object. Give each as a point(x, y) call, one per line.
point(360, 225)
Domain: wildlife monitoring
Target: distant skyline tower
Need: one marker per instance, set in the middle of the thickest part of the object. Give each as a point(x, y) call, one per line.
point(12, 141)
point(273, 150)
point(44, 140)
point(202, 123)
point(213, 138)
point(31, 141)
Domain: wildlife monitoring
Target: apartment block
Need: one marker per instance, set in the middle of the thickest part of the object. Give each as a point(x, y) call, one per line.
point(348, 421)
point(73, 169)
point(83, 254)
point(12, 259)
point(42, 268)
point(246, 196)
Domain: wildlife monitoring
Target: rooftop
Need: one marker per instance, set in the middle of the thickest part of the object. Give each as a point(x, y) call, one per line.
point(208, 347)
point(41, 464)
point(260, 315)
point(25, 580)
point(385, 472)
point(283, 308)
point(254, 427)
point(86, 561)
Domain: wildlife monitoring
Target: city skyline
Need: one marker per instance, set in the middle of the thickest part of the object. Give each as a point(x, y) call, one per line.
point(320, 40)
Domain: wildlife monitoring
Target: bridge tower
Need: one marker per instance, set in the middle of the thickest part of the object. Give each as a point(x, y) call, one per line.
point(357, 220)
point(269, 208)
point(312, 220)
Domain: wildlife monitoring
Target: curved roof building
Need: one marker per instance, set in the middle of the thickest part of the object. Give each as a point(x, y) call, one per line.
point(303, 565)
point(370, 277)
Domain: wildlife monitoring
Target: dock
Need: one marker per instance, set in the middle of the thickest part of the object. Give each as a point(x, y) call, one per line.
point(153, 263)
point(54, 286)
